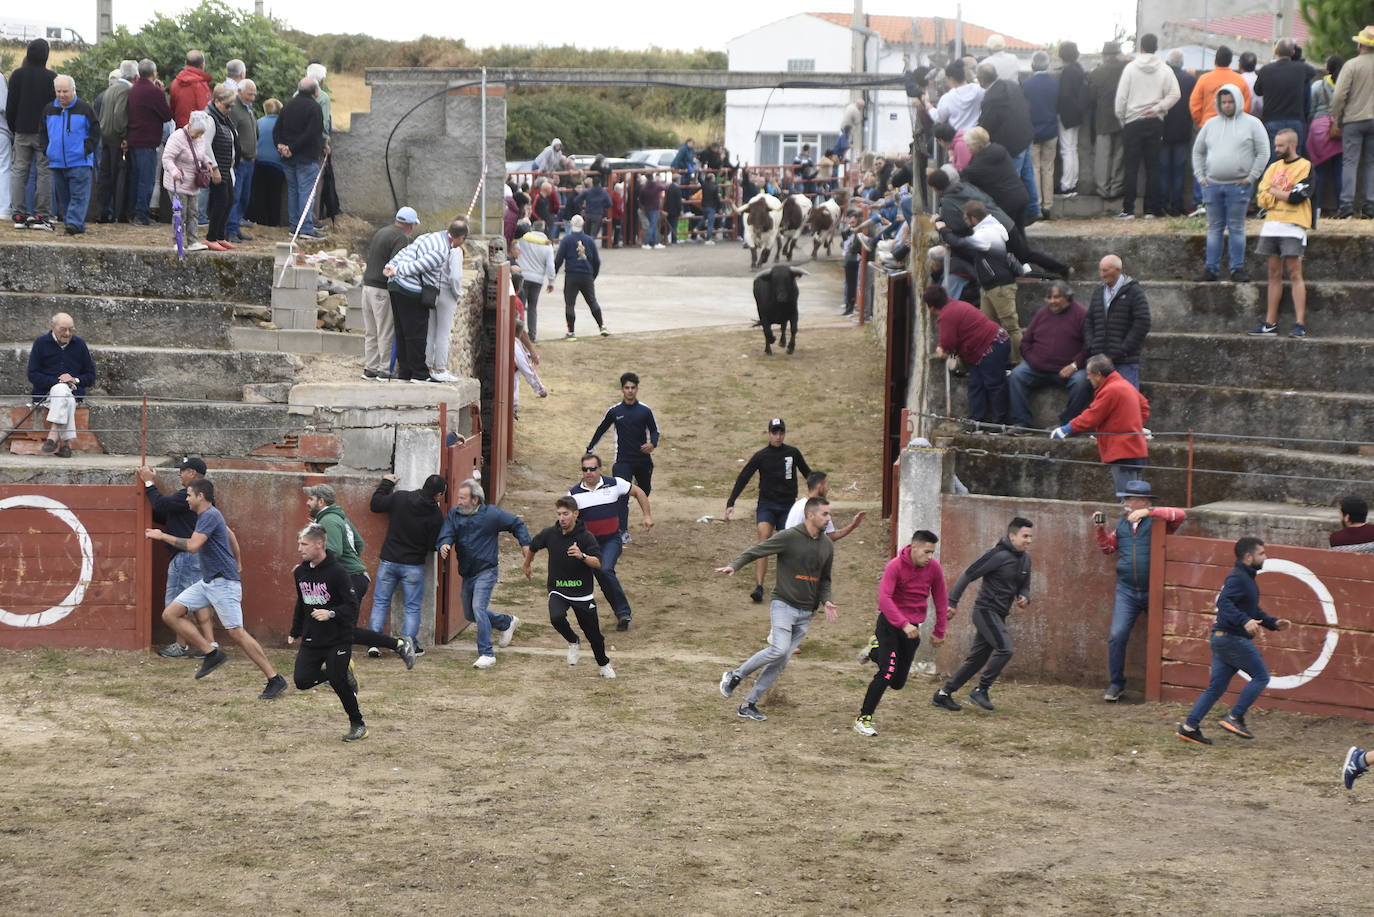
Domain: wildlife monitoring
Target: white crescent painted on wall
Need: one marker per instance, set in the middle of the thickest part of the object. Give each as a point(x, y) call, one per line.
point(1309, 579)
point(73, 599)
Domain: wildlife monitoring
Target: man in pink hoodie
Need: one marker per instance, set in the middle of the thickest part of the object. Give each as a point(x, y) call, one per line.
point(909, 580)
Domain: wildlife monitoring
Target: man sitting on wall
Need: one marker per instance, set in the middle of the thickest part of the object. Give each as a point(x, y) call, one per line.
point(61, 369)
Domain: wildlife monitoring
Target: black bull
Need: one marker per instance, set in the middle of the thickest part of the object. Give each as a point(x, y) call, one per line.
point(775, 294)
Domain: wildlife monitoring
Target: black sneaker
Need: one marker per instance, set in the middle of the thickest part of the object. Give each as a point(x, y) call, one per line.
point(419, 650)
point(20, 221)
point(276, 687)
point(213, 661)
point(1345, 213)
point(750, 712)
point(1113, 694)
point(1208, 276)
point(728, 683)
point(1239, 276)
point(1236, 726)
point(1193, 735)
point(356, 732)
point(1266, 328)
point(979, 696)
point(174, 651)
point(757, 594)
point(623, 624)
point(941, 699)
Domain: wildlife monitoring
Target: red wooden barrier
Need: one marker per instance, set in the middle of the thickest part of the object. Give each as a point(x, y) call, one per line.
point(1319, 665)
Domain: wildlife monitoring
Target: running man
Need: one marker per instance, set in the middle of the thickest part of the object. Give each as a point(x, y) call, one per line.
point(219, 587)
point(599, 499)
point(1005, 571)
point(176, 518)
point(474, 529)
point(636, 438)
point(342, 539)
point(909, 581)
point(1239, 619)
point(326, 612)
point(803, 585)
point(818, 485)
point(777, 465)
point(572, 552)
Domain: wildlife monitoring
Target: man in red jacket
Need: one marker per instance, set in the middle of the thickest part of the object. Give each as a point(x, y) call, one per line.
point(982, 344)
point(1117, 415)
point(909, 580)
point(190, 89)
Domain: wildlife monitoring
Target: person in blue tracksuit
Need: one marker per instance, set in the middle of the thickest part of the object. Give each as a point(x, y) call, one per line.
point(636, 438)
point(70, 134)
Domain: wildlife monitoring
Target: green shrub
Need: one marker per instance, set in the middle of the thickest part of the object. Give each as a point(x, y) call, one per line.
point(585, 125)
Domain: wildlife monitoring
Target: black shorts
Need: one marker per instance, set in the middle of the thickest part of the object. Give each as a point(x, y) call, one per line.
point(775, 514)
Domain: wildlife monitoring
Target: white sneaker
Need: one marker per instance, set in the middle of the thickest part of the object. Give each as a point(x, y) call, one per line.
point(646, 247)
point(574, 650)
point(484, 662)
point(509, 633)
point(197, 247)
point(710, 241)
point(660, 246)
point(607, 671)
point(443, 376)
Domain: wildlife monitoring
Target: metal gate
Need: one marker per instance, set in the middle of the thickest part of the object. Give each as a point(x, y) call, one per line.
point(896, 379)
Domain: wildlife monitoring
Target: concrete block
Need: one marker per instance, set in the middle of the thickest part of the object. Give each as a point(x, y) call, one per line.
point(253, 338)
point(417, 455)
point(355, 296)
point(383, 395)
point(294, 319)
point(298, 277)
point(346, 344)
point(297, 340)
point(354, 318)
point(266, 392)
point(281, 254)
point(292, 298)
point(368, 449)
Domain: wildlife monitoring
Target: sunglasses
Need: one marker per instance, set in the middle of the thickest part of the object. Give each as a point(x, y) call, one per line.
point(593, 468)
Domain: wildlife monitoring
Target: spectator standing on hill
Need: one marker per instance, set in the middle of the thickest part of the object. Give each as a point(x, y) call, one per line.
point(1323, 149)
point(224, 155)
point(112, 185)
point(246, 134)
point(545, 206)
point(992, 170)
point(1202, 102)
point(299, 136)
point(1042, 98)
point(636, 438)
point(1282, 85)
point(1073, 106)
point(1356, 535)
point(535, 260)
point(1118, 319)
point(1130, 542)
point(190, 88)
point(1238, 621)
point(439, 327)
point(6, 151)
point(183, 155)
point(1285, 193)
point(1006, 118)
point(577, 251)
point(1007, 66)
point(31, 90)
point(672, 207)
point(414, 275)
point(1117, 414)
point(1246, 64)
point(235, 71)
point(269, 177)
point(1107, 149)
point(1144, 95)
point(710, 206)
point(984, 347)
point(70, 134)
point(960, 105)
point(378, 324)
point(411, 533)
point(148, 112)
point(1053, 352)
point(1352, 122)
point(1176, 144)
point(1229, 155)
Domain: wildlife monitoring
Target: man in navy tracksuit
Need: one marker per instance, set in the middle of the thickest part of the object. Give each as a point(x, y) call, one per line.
point(70, 134)
point(577, 251)
point(1239, 618)
point(636, 438)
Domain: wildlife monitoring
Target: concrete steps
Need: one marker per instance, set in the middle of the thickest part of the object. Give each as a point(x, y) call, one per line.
point(199, 323)
point(103, 270)
point(1271, 362)
point(185, 429)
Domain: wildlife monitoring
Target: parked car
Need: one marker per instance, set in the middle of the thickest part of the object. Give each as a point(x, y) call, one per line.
point(662, 158)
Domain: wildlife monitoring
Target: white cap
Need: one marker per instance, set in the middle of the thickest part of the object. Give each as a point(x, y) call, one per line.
point(407, 215)
point(576, 222)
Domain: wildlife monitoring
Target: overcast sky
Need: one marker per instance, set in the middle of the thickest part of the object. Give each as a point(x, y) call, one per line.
point(700, 24)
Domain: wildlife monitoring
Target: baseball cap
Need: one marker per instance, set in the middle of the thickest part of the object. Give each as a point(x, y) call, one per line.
point(193, 463)
point(323, 491)
point(777, 426)
point(407, 215)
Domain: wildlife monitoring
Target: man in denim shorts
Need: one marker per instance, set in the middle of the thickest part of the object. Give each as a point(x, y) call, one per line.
point(171, 512)
point(219, 587)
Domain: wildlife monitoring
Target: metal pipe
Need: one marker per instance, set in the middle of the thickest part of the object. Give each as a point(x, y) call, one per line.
point(481, 185)
point(1188, 494)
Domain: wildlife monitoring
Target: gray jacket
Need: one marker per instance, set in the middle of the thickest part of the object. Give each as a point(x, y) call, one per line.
point(1231, 150)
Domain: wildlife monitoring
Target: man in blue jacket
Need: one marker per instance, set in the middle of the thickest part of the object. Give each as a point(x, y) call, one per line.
point(61, 369)
point(1041, 90)
point(1239, 618)
point(70, 134)
point(592, 204)
point(577, 252)
point(473, 527)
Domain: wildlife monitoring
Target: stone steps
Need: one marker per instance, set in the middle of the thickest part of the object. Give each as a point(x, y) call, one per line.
point(106, 270)
point(199, 323)
point(1272, 362)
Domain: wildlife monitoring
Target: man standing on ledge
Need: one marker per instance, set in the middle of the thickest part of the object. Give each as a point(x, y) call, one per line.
point(777, 465)
point(414, 276)
point(636, 438)
point(805, 556)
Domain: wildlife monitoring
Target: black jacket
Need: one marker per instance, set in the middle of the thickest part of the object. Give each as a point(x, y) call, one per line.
point(992, 172)
point(225, 146)
point(327, 585)
point(301, 127)
point(953, 199)
point(30, 90)
point(1102, 83)
point(1285, 87)
point(1006, 117)
point(1072, 103)
point(779, 468)
point(1178, 123)
point(1005, 573)
point(415, 522)
point(1120, 331)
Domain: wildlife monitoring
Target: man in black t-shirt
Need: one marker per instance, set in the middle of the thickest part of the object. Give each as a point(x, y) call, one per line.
point(573, 554)
point(777, 465)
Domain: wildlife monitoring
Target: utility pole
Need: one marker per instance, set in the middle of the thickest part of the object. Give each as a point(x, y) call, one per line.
point(104, 19)
point(858, 63)
point(257, 7)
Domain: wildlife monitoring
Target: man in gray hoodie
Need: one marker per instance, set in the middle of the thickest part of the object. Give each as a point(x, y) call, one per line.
point(1148, 89)
point(1229, 155)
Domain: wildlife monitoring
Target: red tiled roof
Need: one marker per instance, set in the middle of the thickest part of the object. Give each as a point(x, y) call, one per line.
point(1255, 28)
point(897, 30)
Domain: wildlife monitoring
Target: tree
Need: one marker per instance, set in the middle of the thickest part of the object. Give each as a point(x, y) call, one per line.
point(275, 64)
point(585, 125)
point(1331, 23)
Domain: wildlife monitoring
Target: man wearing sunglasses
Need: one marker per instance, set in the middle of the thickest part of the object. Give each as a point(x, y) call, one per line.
point(598, 504)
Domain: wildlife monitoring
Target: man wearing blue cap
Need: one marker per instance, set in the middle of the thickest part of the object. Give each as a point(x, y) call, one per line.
point(1130, 542)
point(378, 327)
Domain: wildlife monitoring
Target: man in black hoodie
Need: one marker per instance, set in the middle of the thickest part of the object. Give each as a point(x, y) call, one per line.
point(411, 535)
point(1005, 115)
point(1176, 150)
point(326, 611)
point(1005, 571)
point(30, 92)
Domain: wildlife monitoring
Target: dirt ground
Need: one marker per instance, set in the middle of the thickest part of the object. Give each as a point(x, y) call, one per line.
point(535, 788)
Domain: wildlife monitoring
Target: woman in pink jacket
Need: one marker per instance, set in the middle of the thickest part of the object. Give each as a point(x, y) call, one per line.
point(184, 151)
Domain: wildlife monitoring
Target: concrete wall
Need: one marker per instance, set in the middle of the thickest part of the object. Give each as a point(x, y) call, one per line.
point(107, 270)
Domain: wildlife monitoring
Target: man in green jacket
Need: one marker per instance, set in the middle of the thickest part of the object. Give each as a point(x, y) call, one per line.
point(346, 544)
point(805, 556)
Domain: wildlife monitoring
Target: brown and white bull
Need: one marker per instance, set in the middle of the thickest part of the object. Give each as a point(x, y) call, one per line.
point(823, 222)
point(795, 211)
point(760, 226)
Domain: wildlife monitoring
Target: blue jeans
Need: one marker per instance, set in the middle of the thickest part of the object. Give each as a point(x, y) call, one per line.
point(1273, 128)
point(1026, 170)
point(182, 571)
point(71, 195)
point(987, 385)
point(1231, 654)
point(1226, 205)
point(1124, 471)
point(412, 580)
point(1131, 373)
point(651, 227)
point(243, 187)
point(1130, 604)
point(708, 219)
point(1173, 170)
point(477, 591)
point(145, 166)
point(1024, 380)
point(300, 181)
point(607, 579)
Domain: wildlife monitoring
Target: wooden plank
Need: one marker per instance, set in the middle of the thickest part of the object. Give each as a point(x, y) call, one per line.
point(1333, 691)
point(1342, 666)
point(24, 522)
point(1173, 694)
point(36, 637)
point(1154, 621)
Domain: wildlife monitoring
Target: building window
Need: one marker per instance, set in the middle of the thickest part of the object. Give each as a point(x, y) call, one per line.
point(801, 65)
point(782, 148)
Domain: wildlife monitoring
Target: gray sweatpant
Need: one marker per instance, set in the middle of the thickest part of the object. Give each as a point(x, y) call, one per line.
point(991, 646)
point(789, 626)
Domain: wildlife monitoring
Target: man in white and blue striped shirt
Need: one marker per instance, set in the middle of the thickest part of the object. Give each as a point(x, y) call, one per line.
point(413, 278)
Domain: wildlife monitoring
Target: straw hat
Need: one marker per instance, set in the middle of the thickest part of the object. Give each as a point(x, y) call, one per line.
point(1366, 36)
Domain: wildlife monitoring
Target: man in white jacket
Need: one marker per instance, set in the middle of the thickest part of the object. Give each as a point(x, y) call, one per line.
point(1148, 89)
point(534, 257)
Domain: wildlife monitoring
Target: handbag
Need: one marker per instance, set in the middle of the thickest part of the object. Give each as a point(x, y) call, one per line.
point(202, 168)
point(429, 296)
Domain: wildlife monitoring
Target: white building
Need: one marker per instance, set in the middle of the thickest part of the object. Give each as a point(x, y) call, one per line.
point(768, 127)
